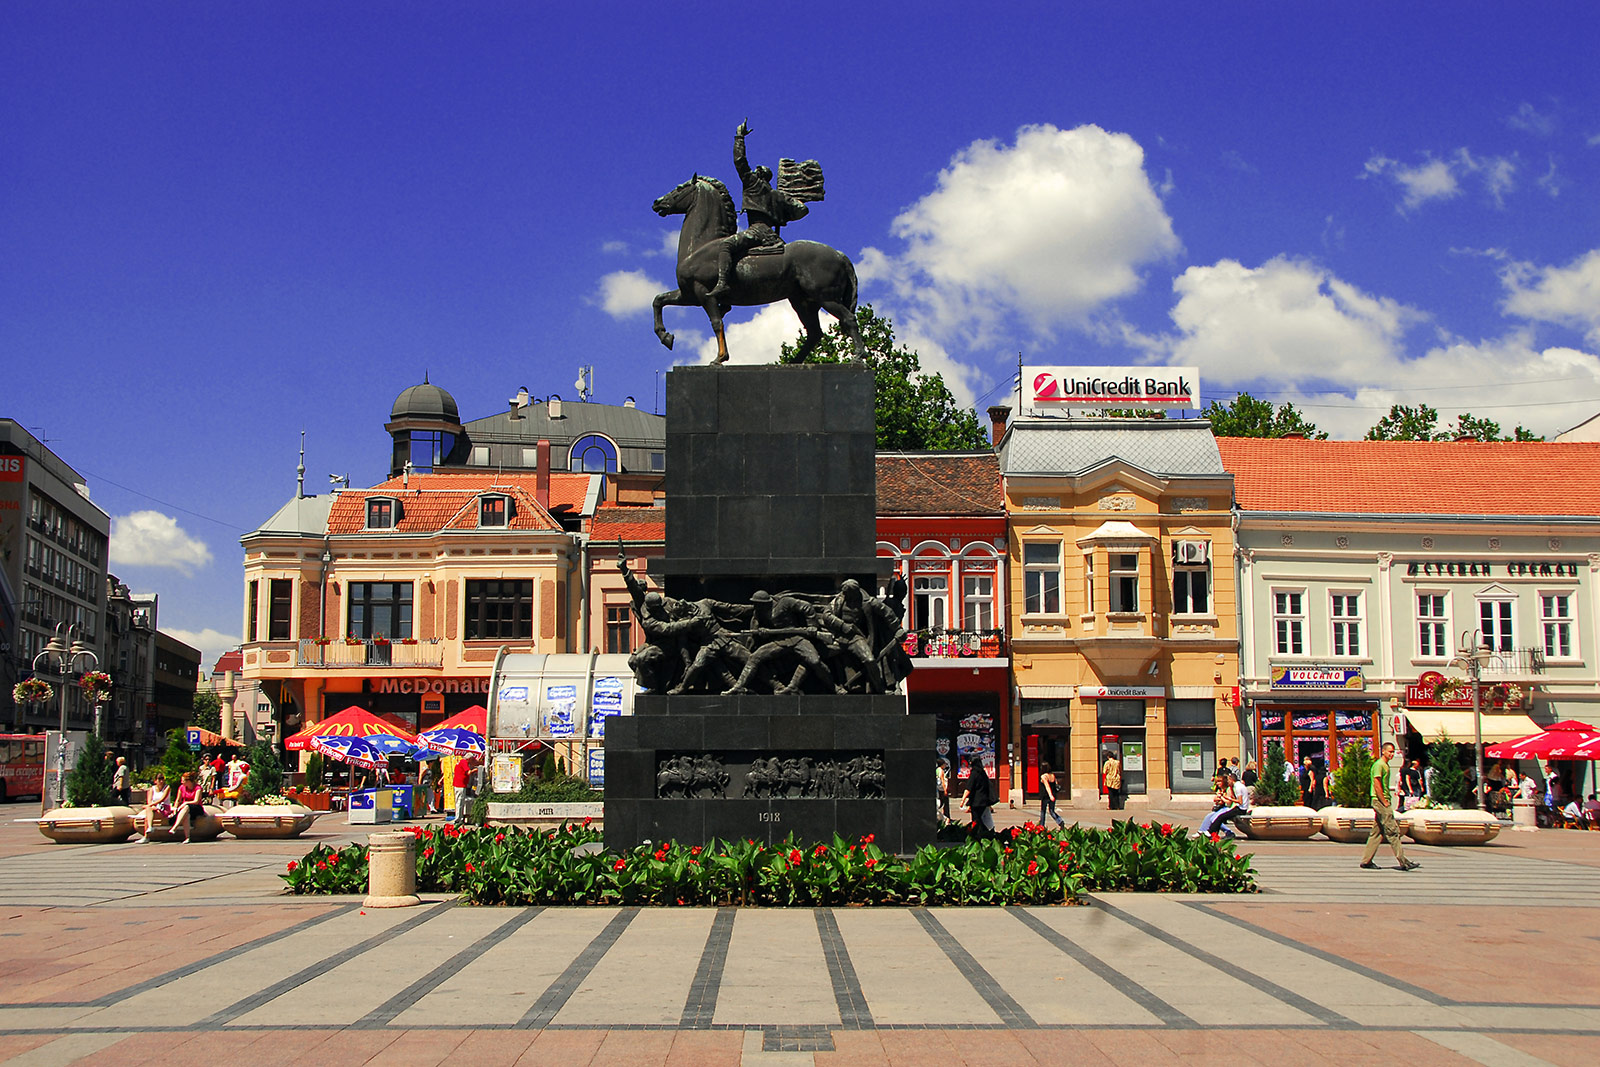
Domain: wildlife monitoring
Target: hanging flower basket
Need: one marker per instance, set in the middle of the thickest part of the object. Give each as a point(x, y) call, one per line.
point(32, 691)
point(96, 685)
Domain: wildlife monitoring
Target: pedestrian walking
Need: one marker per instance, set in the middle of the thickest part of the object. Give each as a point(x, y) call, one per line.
point(423, 801)
point(462, 781)
point(120, 784)
point(979, 798)
point(1384, 828)
point(1047, 795)
point(941, 785)
point(1111, 775)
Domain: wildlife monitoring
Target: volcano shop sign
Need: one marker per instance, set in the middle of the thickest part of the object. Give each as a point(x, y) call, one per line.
point(1317, 678)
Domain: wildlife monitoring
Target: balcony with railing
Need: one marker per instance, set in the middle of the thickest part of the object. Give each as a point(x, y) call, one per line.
point(346, 653)
point(1512, 664)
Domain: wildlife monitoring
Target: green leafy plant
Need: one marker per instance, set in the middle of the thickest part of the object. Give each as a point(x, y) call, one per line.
point(1028, 865)
point(315, 771)
point(178, 759)
point(266, 773)
point(1352, 779)
point(1447, 787)
point(89, 781)
point(1273, 787)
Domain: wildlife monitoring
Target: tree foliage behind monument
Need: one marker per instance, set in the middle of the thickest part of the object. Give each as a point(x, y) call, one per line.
point(1421, 423)
point(1245, 416)
point(915, 410)
point(207, 713)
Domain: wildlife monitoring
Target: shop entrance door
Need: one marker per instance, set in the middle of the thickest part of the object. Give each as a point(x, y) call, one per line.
point(1052, 747)
point(1191, 761)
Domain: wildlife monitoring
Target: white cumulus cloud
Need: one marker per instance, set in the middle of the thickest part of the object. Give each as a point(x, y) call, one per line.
point(1052, 227)
point(151, 539)
point(1441, 178)
point(212, 643)
point(1568, 295)
point(627, 292)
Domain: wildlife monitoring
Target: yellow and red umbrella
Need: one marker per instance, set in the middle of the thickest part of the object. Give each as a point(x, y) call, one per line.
point(351, 722)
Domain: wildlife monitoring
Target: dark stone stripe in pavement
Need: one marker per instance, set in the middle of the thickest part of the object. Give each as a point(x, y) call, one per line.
point(1267, 986)
point(338, 959)
point(188, 968)
point(700, 1007)
point(1327, 957)
point(1010, 1012)
point(1103, 970)
point(555, 998)
point(385, 1013)
point(854, 1014)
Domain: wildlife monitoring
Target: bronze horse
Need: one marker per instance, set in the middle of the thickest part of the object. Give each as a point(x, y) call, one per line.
point(811, 276)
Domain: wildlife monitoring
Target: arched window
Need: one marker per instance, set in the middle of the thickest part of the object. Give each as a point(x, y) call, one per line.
point(593, 454)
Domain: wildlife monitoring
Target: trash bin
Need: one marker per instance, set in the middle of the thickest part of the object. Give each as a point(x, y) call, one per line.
point(1525, 814)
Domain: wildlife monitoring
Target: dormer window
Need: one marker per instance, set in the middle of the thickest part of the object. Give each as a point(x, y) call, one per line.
point(382, 513)
point(494, 510)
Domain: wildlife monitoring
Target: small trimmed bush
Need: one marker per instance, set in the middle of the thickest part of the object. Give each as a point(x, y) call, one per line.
point(1352, 780)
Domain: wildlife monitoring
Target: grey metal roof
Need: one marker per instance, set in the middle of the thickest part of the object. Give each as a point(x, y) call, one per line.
point(1166, 447)
point(629, 427)
point(425, 401)
point(301, 515)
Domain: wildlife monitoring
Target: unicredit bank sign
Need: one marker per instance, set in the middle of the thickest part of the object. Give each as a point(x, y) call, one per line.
point(1053, 389)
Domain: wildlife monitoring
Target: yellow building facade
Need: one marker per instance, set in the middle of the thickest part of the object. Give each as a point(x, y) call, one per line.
point(1123, 617)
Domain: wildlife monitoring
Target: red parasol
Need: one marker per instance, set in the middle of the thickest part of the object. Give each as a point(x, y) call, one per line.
point(475, 718)
point(1568, 739)
point(351, 722)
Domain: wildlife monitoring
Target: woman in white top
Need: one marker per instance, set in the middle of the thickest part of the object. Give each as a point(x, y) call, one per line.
point(158, 805)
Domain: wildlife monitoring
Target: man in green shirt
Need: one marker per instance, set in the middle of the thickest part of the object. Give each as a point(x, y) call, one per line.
point(1384, 828)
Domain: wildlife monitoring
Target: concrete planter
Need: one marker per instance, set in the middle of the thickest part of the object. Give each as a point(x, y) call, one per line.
point(1449, 826)
point(1286, 823)
point(544, 814)
point(1349, 825)
point(87, 826)
point(267, 820)
point(207, 827)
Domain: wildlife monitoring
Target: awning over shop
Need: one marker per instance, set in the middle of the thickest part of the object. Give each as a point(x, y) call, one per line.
point(1457, 725)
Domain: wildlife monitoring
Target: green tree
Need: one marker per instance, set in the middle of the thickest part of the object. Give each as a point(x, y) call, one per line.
point(89, 781)
point(1246, 416)
point(207, 712)
point(266, 773)
point(1448, 785)
point(178, 759)
point(1421, 423)
point(1352, 781)
point(315, 771)
point(1273, 787)
point(914, 410)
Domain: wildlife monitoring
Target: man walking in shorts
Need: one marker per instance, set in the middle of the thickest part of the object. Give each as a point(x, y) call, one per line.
point(1384, 828)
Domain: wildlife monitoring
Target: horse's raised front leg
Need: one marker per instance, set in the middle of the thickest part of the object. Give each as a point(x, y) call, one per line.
point(673, 297)
point(847, 324)
point(807, 310)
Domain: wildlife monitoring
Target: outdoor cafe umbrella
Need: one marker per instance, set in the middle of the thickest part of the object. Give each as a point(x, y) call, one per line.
point(351, 722)
point(475, 718)
point(400, 746)
point(453, 740)
point(1568, 739)
point(360, 751)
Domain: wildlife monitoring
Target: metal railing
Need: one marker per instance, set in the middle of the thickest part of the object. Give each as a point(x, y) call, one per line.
point(335, 653)
point(1512, 663)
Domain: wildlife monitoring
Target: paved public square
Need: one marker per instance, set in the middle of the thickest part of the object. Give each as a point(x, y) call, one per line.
point(177, 954)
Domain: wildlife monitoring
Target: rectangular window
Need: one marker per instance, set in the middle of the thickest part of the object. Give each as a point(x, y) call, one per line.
point(1289, 623)
point(479, 456)
point(1345, 610)
point(930, 600)
point(619, 628)
point(1088, 583)
point(977, 602)
point(1433, 626)
point(380, 514)
point(380, 609)
point(492, 511)
point(1041, 579)
point(499, 609)
point(1555, 614)
point(1191, 590)
point(1125, 581)
point(280, 610)
point(1494, 620)
point(253, 623)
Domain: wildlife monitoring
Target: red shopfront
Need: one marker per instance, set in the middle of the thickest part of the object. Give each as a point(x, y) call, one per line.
point(418, 703)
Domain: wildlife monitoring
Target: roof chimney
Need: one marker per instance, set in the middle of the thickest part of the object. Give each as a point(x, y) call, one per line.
point(1296, 436)
point(998, 414)
point(541, 482)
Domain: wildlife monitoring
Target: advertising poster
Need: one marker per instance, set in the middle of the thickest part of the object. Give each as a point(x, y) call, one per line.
point(560, 710)
point(1191, 757)
point(1133, 756)
point(975, 741)
point(506, 772)
point(597, 767)
point(607, 702)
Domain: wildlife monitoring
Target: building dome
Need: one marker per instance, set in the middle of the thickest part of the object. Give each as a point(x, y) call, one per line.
point(425, 401)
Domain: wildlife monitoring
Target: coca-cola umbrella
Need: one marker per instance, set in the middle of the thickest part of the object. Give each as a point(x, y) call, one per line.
point(1568, 739)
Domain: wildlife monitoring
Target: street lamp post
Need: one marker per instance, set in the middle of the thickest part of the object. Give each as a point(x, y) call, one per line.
point(1471, 655)
point(59, 657)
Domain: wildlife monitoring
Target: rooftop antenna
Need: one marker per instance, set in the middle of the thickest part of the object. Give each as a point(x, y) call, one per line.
point(585, 383)
point(300, 471)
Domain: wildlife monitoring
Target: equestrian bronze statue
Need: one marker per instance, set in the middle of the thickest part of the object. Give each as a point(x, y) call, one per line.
point(721, 266)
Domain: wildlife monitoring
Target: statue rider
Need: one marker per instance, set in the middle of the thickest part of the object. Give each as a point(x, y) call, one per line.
point(767, 209)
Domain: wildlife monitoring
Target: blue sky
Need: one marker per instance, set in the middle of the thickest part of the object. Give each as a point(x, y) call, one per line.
point(223, 223)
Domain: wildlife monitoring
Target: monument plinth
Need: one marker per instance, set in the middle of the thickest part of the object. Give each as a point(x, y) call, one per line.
point(770, 563)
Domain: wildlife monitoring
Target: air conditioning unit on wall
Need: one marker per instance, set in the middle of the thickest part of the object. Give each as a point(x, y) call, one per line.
point(1191, 552)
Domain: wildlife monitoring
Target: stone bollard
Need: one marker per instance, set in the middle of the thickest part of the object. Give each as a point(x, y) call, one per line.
point(391, 871)
point(1524, 814)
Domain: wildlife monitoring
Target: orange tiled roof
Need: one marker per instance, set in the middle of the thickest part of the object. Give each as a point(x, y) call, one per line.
point(610, 522)
point(932, 483)
point(432, 502)
point(1414, 477)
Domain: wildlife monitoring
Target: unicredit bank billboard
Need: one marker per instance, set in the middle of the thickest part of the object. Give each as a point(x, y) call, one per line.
point(1051, 390)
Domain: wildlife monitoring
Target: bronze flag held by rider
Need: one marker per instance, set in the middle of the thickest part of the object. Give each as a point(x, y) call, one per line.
point(721, 266)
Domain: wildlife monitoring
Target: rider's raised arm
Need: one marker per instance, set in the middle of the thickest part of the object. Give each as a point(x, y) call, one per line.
point(740, 163)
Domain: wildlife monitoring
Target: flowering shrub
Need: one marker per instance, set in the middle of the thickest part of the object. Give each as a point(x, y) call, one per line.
point(1028, 865)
